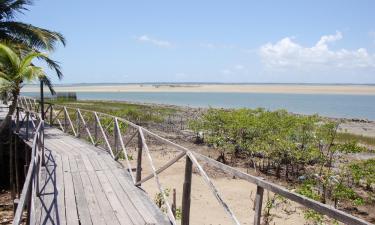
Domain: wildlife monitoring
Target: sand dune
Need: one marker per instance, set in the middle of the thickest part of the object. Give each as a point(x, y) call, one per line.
point(230, 88)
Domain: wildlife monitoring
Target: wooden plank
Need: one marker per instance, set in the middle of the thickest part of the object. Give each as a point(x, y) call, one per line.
point(95, 164)
point(73, 164)
point(119, 211)
point(70, 202)
point(60, 191)
point(87, 163)
point(93, 204)
point(132, 212)
point(105, 207)
point(82, 206)
point(48, 195)
point(133, 194)
point(80, 164)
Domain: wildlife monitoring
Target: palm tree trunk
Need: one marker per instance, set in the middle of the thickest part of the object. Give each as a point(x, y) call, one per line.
point(4, 125)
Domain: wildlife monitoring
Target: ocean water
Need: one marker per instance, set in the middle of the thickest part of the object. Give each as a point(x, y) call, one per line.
point(332, 105)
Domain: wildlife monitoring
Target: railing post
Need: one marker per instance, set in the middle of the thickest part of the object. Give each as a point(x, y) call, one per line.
point(174, 205)
point(115, 133)
point(139, 159)
point(96, 133)
point(186, 192)
point(50, 114)
point(27, 125)
point(41, 136)
point(78, 124)
point(65, 121)
point(258, 205)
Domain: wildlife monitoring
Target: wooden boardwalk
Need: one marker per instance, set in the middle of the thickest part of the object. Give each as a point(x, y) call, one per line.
point(82, 184)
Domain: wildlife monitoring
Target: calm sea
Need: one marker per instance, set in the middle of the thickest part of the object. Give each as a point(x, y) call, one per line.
point(343, 106)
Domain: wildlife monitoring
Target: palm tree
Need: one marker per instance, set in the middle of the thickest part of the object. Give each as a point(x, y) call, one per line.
point(24, 39)
point(26, 36)
point(14, 71)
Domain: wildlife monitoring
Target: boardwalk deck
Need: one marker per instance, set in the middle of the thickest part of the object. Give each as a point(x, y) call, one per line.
point(82, 184)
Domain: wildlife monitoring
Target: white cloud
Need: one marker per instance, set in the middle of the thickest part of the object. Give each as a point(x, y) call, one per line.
point(286, 53)
point(160, 43)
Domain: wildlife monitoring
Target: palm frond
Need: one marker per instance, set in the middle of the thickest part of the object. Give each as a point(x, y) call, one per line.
point(52, 64)
point(26, 61)
point(7, 54)
point(8, 8)
point(49, 84)
point(32, 36)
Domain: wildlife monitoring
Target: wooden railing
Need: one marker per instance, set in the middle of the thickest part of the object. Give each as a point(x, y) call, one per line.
point(30, 124)
point(115, 144)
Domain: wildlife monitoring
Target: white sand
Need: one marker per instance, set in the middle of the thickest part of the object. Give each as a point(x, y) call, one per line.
point(248, 88)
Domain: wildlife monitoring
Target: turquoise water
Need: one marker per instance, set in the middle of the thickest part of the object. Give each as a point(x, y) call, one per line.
point(343, 106)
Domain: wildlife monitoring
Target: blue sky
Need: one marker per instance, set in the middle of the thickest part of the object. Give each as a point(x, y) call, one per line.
point(212, 41)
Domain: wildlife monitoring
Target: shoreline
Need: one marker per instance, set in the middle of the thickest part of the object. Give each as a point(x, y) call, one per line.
point(357, 126)
point(218, 88)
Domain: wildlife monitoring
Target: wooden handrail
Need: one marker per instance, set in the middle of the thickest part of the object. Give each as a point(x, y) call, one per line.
point(194, 157)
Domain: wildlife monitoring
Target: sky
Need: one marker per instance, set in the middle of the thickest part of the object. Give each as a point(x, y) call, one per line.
point(120, 41)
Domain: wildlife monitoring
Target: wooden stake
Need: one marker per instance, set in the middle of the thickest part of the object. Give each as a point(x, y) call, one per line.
point(186, 192)
point(258, 205)
point(139, 159)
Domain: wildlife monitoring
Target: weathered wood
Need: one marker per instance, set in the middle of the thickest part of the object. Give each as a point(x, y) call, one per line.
point(161, 190)
point(174, 203)
point(115, 134)
point(83, 212)
point(120, 212)
point(27, 125)
point(258, 205)
point(93, 204)
point(212, 187)
point(161, 169)
point(186, 193)
point(124, 151)
point(309, 203)
point(58, 120)
point(85, 125)
point(139, 159)
point(105, 207)
point(70, 121)
point(319, 207)
point(132, 192)
point(50, 115)
point(78, 121)
point(65, 120)
point(131, 210)
point(70, 204)
point(104, 135)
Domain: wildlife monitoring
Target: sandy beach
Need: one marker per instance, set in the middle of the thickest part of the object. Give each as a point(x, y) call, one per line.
point(212, 88)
